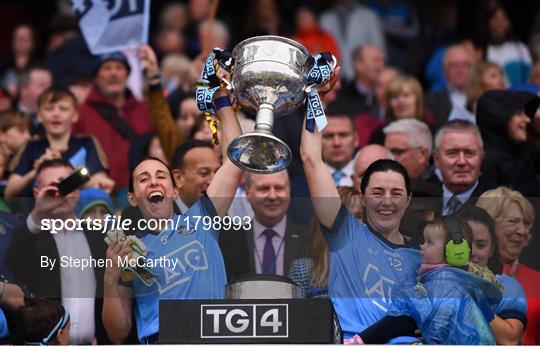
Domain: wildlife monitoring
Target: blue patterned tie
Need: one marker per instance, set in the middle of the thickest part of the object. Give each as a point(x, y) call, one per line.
point(453, 205)
point(269, 254)
point(337, 176)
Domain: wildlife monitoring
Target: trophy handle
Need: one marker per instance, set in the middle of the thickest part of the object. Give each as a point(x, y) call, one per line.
point(229, 84)
point(334, 62)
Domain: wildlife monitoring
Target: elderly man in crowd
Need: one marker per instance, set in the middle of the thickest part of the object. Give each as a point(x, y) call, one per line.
point(457, 65)
point(458, 155)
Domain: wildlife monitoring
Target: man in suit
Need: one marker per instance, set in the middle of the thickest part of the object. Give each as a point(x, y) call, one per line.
point(457, 65)
point(272, 241)
point(458, 156)
point(339, 142)
point(37, 242)
point(359, 95)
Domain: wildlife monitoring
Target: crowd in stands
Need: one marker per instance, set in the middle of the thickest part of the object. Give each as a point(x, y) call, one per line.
point(415, 134)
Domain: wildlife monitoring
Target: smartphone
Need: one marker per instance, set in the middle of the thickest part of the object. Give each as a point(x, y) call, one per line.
point(74, 181)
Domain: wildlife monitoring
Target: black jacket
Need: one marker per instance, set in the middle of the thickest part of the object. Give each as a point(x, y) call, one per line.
point(23, 258)
point(507, 163)
point(352, 102)
point(440, 105)
point(238, 247)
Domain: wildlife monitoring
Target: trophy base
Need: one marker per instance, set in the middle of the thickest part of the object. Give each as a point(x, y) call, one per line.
point(259, 152)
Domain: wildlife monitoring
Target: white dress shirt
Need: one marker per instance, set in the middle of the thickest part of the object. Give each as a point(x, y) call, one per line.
point(240, 206)
point(181, 205)
point(78, 285)
point(461, 113)
point(458, 98)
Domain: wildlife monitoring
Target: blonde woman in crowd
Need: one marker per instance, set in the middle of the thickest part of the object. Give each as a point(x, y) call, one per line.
point(514, 216)
point(404, 98)
point(485, 76)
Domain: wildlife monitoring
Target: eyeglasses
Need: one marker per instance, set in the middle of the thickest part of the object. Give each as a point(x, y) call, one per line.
point(400, 151)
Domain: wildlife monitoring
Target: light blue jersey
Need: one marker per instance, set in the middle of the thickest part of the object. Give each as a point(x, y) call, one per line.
point(364, 269)
point(4, 332)
point(194, 270)
point(514, 302)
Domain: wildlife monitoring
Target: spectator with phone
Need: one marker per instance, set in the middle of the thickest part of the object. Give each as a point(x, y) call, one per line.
point(78, 288)
point(57, 111)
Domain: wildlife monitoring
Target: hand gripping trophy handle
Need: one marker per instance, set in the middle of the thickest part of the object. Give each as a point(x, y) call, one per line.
point(334, 64)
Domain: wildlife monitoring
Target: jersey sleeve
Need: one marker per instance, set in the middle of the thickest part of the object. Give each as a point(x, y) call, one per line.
point(4, 332)
point(345, 231)
point(201, 210)
point(514, 302)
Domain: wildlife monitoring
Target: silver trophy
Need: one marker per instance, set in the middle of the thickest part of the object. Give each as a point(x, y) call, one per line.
point(269, 80)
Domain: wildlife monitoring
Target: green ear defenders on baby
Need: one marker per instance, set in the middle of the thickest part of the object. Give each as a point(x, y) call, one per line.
point(456, 251)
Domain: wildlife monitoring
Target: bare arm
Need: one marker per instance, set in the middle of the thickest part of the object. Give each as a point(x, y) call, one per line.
point(507, 331)
point(117, 299)
point(17, 184)
point(223, 186)
point(323, 192)
point(12, 297)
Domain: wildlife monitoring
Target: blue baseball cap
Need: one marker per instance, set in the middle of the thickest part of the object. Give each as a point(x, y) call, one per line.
point(115, 56)
point(90, 197)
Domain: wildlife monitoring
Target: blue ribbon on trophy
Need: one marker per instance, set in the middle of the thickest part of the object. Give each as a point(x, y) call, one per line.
point(320, 73)
point(209, 83)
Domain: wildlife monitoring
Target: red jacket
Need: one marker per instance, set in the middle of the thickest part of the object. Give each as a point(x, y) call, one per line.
point(316, 41)
point(134, 112)
point(530, 280)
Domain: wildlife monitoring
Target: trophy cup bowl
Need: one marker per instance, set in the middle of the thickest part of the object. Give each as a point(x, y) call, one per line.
point(269, 80)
